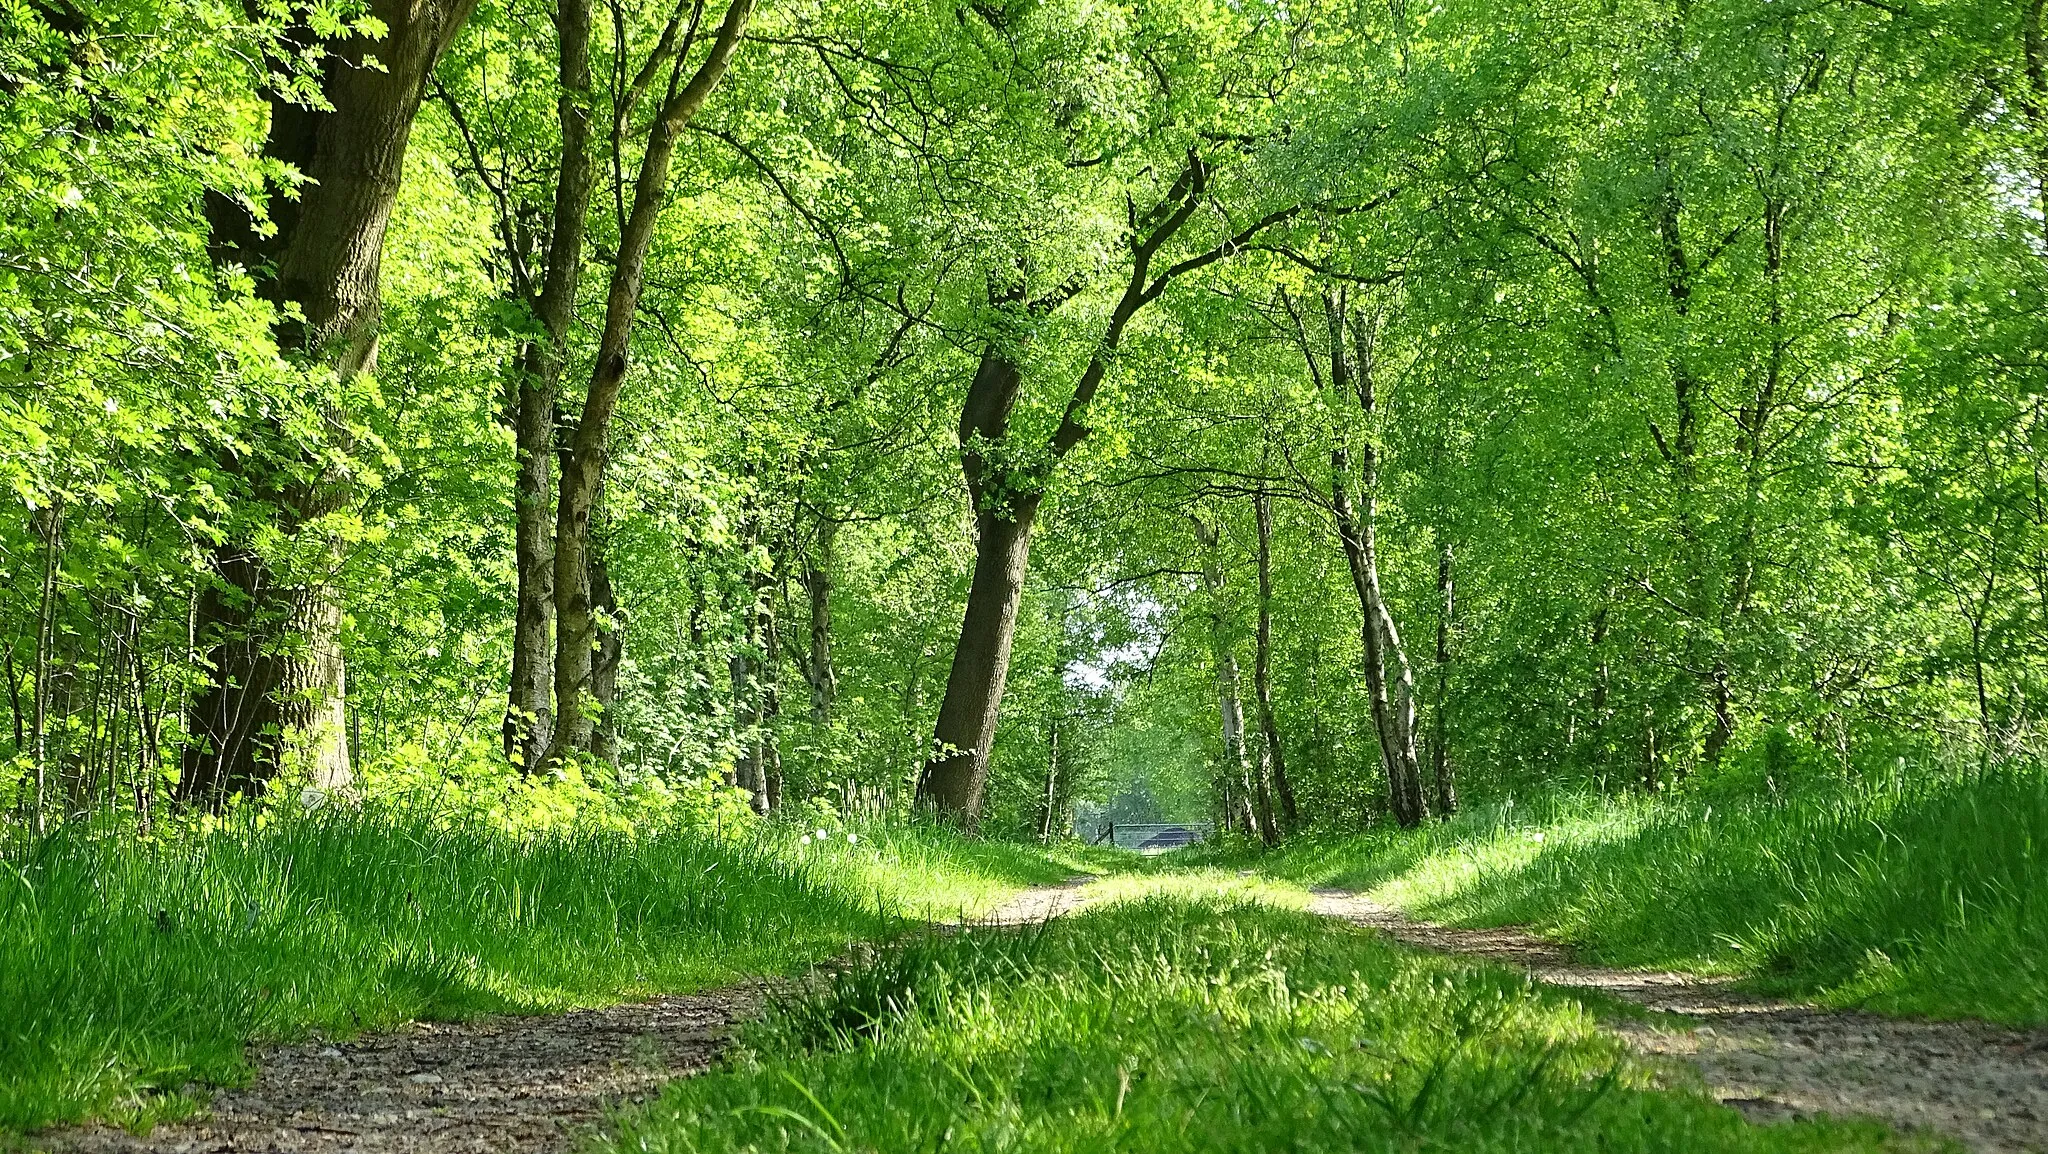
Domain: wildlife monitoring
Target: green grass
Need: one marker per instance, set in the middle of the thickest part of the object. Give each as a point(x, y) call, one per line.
point(1175, 1025)
point(128, 970)
point(1926, 897)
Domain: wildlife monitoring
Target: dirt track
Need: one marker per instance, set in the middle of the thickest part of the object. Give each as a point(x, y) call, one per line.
point(528, 1085)
point(1774, 1059)
point(515, 1085)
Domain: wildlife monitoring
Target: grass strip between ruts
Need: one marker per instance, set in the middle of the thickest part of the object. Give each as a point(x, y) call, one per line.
point(1171, 1023)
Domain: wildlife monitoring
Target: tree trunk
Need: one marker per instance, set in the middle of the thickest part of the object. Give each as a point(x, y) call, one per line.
point(276, 678)
point(1052, 783)
point(1439, 744)
point(1262, 668)
point(1005, 499)
point(824, 681)
point(1393, 702)
point(605, 659)
point(1262, 676)
point(529, 716)
point(958, 770)
point(583, 459)
point(1237, 793)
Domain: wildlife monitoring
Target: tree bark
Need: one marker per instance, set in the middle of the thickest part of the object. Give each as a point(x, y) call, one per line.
point(1439, 743)
point(276, 679)
point(1006, 499)
point(1244, 803)
point(583, 460)
point(1392, 695)
point(818, 670)
point(604, 662)
point(1262, 669)
point(529, 715)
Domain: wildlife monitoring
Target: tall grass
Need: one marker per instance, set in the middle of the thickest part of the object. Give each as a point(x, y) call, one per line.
point(129, 969)
point(1170, 1024)
point(1919, 896)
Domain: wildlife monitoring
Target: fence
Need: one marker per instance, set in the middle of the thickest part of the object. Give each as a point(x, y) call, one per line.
point(1152, 837)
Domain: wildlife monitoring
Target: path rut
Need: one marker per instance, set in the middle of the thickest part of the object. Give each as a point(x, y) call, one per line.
point(520, 1085)
point(1775, 1059)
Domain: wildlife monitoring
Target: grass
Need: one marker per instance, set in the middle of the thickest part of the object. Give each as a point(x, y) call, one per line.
point(130, 970)
point(1924, 897)
point(1184, 1024)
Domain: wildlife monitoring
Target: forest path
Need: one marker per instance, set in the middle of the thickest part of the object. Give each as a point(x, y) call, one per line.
point(517, 1085)
point(1773, 1059)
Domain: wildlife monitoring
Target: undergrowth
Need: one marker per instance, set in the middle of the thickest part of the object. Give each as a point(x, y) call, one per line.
point(130, 970)
point(1903, 896)
point(1175, 1025)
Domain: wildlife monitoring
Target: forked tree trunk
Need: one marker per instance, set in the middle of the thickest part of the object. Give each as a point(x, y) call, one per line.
point(529, 716)
point(1390, 681)
point(1262, 669)
point(275, 677)
point(583, 459)
point(1005, 499)
point(604, 662)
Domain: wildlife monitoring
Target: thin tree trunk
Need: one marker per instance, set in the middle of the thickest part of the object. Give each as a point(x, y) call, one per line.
point(824, 680)
point(1392, 694)
point(583, 459)
point(1238, 792)
point(604, 662)
point(1262, 668)
point(1052, 783)
point(50, 523)
point(1439, 744)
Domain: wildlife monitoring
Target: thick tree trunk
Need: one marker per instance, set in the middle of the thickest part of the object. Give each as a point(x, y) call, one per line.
point(1439, 744)
point(1262, 669)
point(529, 716)
point(958, 770)
point(583, 458)
point(276, 678)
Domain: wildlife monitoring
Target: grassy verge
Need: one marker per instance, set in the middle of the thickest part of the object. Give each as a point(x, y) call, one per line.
point(1923, 898)
point(130, 970)
point(1187, 1025)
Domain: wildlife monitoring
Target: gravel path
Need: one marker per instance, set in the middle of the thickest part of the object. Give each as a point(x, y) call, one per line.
point(1774, 1059)
point(516, 1085)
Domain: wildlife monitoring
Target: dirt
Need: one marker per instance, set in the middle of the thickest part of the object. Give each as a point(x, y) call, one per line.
point(526, 1084)
point(1037, 905)
point(1772, 1059)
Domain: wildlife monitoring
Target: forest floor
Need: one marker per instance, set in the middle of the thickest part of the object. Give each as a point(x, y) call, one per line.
point(521, 1084)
